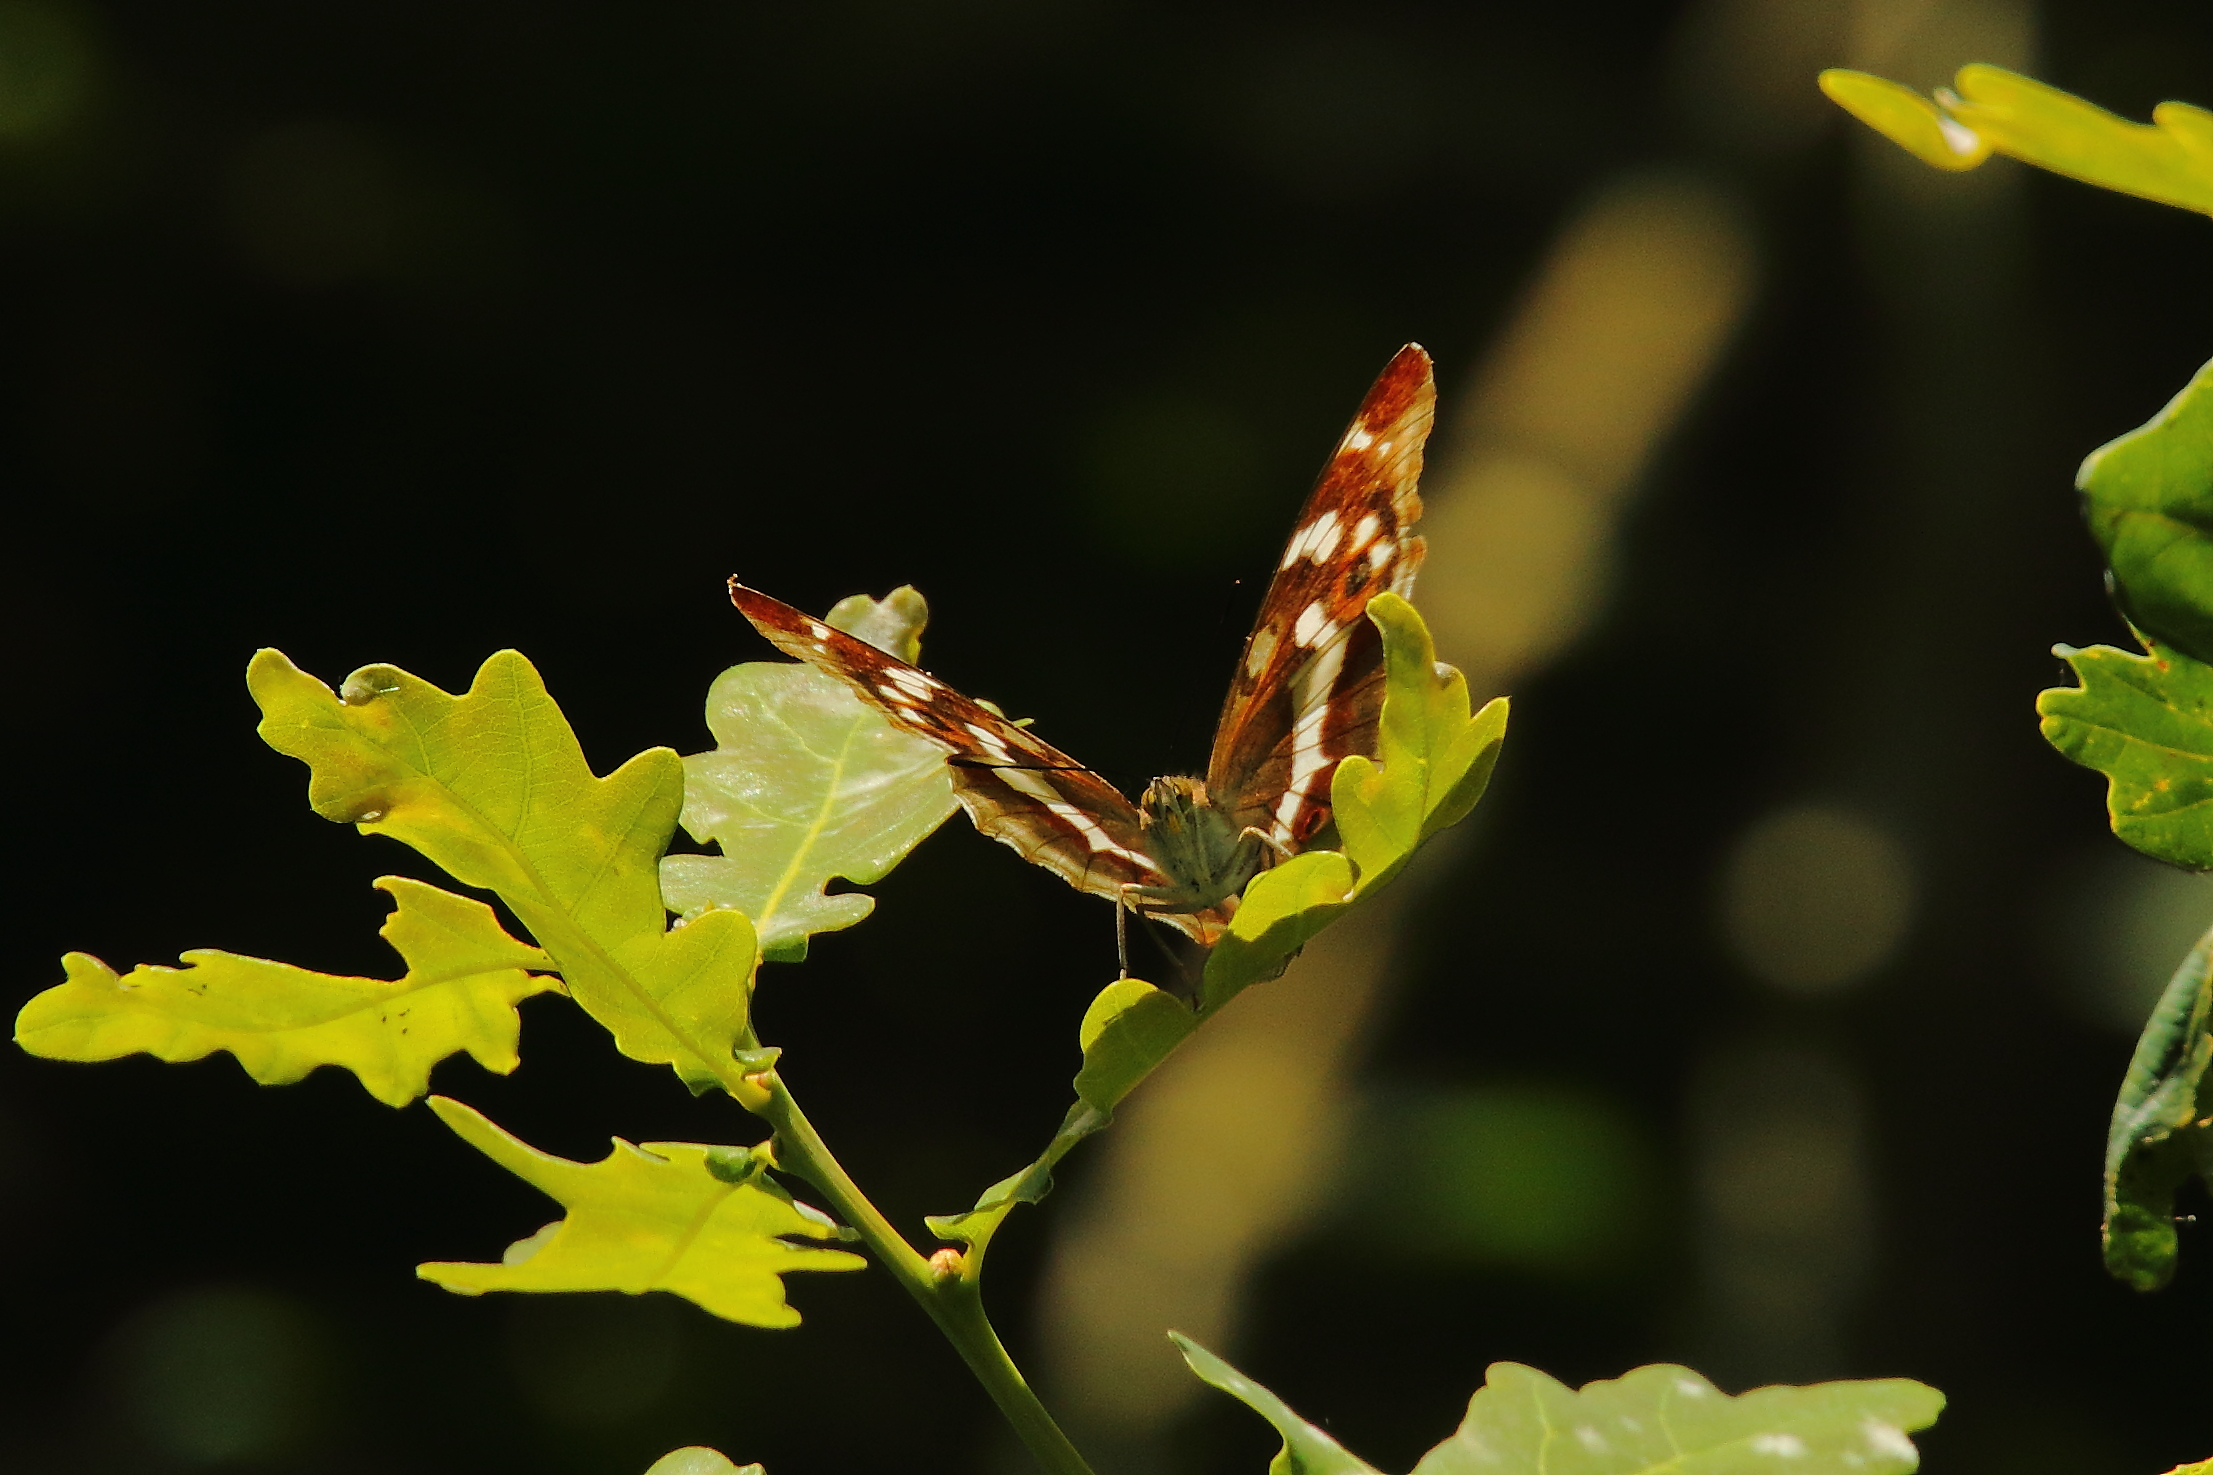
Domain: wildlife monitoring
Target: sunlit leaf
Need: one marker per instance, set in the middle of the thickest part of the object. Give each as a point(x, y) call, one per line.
point(2146, 723)
point(698, 1221)
point(1433, 763)
point(1281, 910)
point(2161, 1134)
point(699, 1460)
point(1129, 1028)
point(806, 784)
point(1996, 111)
point(464, 977)
point(2148, 497)
point(492, 786)
point(1653, 1420)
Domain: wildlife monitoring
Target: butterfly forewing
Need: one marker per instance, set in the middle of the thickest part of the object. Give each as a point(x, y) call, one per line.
point(1308, 689)
point(1018, 788)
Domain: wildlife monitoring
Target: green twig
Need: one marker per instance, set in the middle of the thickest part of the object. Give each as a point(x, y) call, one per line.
point(950, 1297)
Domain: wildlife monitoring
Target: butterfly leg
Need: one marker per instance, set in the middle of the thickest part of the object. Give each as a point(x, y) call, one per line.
point(1253, 832)
point(1125, 902)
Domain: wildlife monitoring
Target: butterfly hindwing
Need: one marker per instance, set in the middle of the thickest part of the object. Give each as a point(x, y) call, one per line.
point(1308, 689)
point(1017, 788)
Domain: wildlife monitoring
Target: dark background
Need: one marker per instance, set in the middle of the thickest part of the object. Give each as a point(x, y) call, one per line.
point(412, 331)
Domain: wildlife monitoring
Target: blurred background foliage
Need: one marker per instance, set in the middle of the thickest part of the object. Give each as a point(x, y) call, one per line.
point(1766, 1018)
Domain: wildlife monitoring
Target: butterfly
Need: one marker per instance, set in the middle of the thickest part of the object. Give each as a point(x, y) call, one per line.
point(1307, 692)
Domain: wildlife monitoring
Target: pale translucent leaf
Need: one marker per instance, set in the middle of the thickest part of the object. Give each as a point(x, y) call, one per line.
point(806, 784)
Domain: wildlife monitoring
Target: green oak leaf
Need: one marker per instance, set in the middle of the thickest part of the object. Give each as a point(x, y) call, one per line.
point(661, 1216)
point(464, 977)
point(1991, 110)
point(1433, 764)
point(493, 786)
point(2162, 1131)
point(2146, 723)
point(697, 1459)
point(806, 783)
point(1655, 1419)
point(2149, 500)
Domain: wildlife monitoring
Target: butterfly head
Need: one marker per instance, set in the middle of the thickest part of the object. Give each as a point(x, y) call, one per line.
point(1197, 846)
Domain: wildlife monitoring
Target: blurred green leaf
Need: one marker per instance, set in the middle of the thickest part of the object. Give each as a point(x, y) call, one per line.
point(1996, 111)
point(1654, 1419)
point(1906, 118)
point(2146, 723)
point(464, 977)
point(2149, 500)
point(806, 783)
point(493, 786)
point(664, 1216)
point(2160, 1135)
point(699, 1460)
point(1434, 764)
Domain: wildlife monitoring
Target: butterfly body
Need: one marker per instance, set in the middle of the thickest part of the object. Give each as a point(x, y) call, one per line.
point(1306, 692)
point(1205, 856)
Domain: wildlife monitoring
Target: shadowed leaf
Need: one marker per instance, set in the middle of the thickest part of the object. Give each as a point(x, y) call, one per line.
point(2148, 497)
point(2158, 1138)
point(464, 977)
point(664, 1216)
point(806, 784)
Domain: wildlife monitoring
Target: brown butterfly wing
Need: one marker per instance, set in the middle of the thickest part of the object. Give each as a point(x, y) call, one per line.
point(1308, 689)
point(1017, 788)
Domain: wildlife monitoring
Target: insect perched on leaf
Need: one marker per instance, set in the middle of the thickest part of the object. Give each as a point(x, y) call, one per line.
point(1307, 691)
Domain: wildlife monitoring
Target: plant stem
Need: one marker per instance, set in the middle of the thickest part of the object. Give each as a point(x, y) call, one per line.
point(951, 1300)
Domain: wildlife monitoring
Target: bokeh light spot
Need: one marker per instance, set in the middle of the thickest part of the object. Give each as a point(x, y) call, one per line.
point(316, 203)
point(1539, 1177)
point(45, 69)
point(1815, 897)
point(223, 1375)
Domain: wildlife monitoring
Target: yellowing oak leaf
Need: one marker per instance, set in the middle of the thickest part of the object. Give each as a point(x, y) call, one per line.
point(465, 976)
point(493, 786)
point(694, 1220)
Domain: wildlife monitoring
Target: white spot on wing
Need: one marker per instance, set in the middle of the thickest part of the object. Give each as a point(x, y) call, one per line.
point(992, 743)
point(1379, 554)
point(1322, 536)
point(1314, 626)
point(1310, 694)
point(914, 682)
point(1034, 785)
point(1358, 439)
point(1364, 531)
